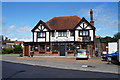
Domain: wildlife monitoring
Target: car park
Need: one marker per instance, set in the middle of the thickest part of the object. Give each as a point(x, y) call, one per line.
point(82, 54)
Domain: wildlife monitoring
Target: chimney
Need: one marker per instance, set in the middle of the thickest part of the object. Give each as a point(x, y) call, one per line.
point(91, 18)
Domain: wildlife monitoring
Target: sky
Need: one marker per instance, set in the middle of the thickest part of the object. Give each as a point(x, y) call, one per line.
point(18, 18)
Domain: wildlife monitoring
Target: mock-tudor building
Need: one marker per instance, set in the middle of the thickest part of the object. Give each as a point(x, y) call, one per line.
point(62, 36)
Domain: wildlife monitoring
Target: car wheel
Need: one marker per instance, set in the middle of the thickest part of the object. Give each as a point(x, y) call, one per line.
point(109, 59)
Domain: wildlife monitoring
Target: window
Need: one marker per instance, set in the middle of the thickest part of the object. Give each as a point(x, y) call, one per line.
point(55, 47)
point(41, 34)
point(83, 33)
point(42, 47)
point(59, 33)
point(62, 34)
point(71, 33)
point(48, 48)
point(70, 48)
point(36, 48)
point(53, 34)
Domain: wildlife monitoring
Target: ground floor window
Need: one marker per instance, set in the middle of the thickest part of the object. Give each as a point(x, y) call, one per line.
point(36, 48)
point(69, 47)
point(55, 47)
point(48, 48)
point(42, 47)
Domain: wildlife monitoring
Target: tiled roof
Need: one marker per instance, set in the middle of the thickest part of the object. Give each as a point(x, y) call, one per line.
point(18, 41)
point(63, 22)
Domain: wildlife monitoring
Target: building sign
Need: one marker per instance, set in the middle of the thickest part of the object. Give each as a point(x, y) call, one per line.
point(62, 39)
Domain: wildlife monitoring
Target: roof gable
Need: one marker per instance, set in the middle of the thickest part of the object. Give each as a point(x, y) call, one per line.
point(84, 20)
point(40, 22)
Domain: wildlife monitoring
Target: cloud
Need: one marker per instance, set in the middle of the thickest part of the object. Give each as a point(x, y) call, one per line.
point(17, 30)
point(26, 39)
point(102, 16)
point(98, 29)
point(22, 39)
point(23, 29)
point(9, 29)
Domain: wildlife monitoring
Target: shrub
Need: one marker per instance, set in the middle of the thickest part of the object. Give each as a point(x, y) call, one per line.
point(17, 48)
point(32, 53)
point(7, 50)
point(21, 54)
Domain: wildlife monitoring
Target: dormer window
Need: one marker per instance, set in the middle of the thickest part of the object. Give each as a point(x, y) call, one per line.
point(41, 34)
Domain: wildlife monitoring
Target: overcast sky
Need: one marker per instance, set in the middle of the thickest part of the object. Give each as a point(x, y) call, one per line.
point(20, 17)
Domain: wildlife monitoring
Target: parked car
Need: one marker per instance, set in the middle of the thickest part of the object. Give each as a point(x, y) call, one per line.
point(82, 54)
point(110, 57)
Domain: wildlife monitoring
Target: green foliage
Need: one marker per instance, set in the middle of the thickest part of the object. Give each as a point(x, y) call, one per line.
point(21, 54)
point(7, 50)
point(116, 36)
point(32, 53)
point(17, 48)
point(108, 39)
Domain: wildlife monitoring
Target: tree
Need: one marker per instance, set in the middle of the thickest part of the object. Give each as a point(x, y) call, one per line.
point(108, 39)
point(116, 36)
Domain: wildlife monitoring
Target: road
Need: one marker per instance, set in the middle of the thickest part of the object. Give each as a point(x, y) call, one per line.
point(12, 68)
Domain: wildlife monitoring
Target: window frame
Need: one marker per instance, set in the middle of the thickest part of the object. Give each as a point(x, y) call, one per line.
point(72, 34)
point(81, 31)
point(62, 34)
point(38, 33)
point(35, 47)
point(53, 34)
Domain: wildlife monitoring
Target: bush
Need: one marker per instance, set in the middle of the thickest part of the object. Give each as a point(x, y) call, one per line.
point(17, 48)
point(7, 50)
point(32, 53)
point(21, 54)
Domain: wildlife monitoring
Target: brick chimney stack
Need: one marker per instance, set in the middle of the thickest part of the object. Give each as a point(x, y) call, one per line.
point(91, 18)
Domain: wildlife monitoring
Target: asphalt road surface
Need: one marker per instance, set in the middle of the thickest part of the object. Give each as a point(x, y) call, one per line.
point(18, 70)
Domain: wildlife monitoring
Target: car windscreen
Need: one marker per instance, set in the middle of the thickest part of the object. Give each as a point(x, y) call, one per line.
point(81, 51)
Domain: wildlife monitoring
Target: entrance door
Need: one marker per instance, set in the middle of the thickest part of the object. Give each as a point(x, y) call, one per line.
point(62, 50)
point(26, 50)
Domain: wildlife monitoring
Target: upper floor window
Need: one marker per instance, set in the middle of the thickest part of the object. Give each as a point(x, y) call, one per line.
point(71, 33)
point(62, 34)
point(84, 33)
point(53, 34)
point(41, 34)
